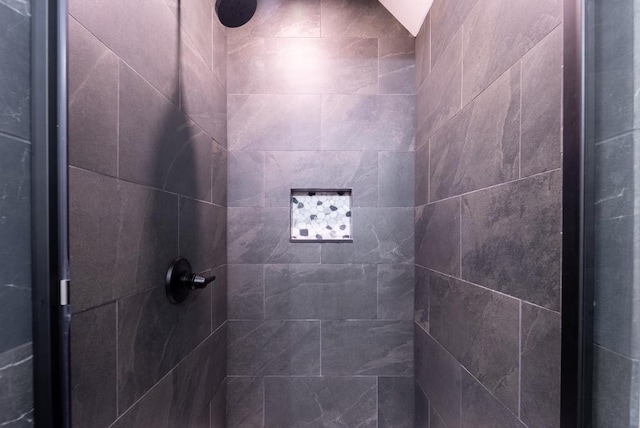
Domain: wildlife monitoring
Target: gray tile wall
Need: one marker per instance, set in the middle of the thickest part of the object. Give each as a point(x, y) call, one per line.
point(488, 214)
point(148, 131)
point(616, 136)
point(321, 95)
point(16, 391)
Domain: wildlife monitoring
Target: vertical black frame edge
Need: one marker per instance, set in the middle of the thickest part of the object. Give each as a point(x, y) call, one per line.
point(576, 293)
point(49, 209)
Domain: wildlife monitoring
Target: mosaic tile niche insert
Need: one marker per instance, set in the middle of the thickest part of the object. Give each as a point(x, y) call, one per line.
point(321, 215)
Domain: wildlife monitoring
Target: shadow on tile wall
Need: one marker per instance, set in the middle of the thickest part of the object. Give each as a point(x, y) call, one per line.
point(488, 214)
point(321, 95)
point(147, 103)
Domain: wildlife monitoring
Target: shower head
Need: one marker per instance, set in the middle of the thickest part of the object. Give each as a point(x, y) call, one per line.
point(234, 13)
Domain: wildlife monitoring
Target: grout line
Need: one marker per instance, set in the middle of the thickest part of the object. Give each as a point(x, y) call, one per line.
point(118, 123)
point(520, 360)
point(117, 303)
point(461, 67)
point(377, 402)
point(460, 238)
point(320, 347)
point(520, 131)
point(15, 138)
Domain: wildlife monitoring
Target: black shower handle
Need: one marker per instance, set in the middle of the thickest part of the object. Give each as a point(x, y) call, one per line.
point(194, 281)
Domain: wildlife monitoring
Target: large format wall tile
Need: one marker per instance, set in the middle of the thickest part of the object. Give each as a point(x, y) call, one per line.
point(395, 292)
point(202, 97)
point(396, 402)
point(421, 299)
point(262, 235)
point(219, 175)
point(480, 329)
point(541, 140)
point(274, 122)
point(93, 362)
point(15, 235)
point(421, 403)
point(93, 103)
point(511, 239)
point(125, 26)
point(480, 146)
point(358, 18)
point(320, 292)
point(540, 371)
point(246, 179)
point(396, 179)
point(122, 237)
point(16, 388)
point(421, 171)
point(196, 23)
point(15, 70)
point(517, 26)
point(153, 336)
point(438, 236)
point(380, 235)
point(272, 348)
point(439, 375)
point(396, 72)
point(203, 234)
point(367, 122)
point(219, 298)
point(245, 402)
point(446, 18)
point(246, 292)
point(438, 98)
point(423, 52)
point(382, 348)
point(480, 409)
point(282, 18)
point(358, 171)
point(326, 401)
point(158, 143)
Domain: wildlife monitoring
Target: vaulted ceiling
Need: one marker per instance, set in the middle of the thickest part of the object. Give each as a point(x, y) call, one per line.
point(410, 13)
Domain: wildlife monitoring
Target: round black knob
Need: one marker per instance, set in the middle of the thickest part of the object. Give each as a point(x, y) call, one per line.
point(181, 280)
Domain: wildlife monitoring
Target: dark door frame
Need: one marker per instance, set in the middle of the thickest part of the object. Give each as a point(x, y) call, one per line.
point(49, 240)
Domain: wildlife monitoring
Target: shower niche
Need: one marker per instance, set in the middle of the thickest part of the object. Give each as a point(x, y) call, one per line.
point(321, 215)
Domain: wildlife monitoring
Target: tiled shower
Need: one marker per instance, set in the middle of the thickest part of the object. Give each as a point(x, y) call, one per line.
point(187, 139)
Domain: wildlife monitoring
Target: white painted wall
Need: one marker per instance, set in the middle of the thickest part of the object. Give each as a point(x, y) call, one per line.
point(410, 13)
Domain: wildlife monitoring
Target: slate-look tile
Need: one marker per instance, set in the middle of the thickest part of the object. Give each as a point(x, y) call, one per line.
point(246, 292)
point(220, 51)
point(421, 304)
point(15, 71)
point(365, 122)
point(438, 98)
point(616, 381)
point(446, 18)
point(273, 122)
point(487, 54)
point(93, 102)
point(245, 402)
point(435, 420)
point(149, 23)
point(202, 97)
point(219, 298)
point(396, 179)
point(153, 336)
point(118, 228)
point(93, 364)
point(370, 348)
point(271, 348)
point(480, 146)
point(16, 388)
point(218, 409)
point(480, 329)
point(421, 415)
point(15, 234)
point(511, 239)
point(438, 236)
point(359, 18)
point(421, 171)
point(348, 66)
point(152, 410)
point(246, 179)
point(395, 292)
point(261, 235)
point(320, 291)
point(541, 140)
point(159, 146)
point(397, 65)
point(481, 409)
point(203, 233)
point(396, 402)
point(540, 372)
point(196, 24)
point(326, 401)
point(325, 170)
point(439, 375)
point(381, 235)
point(282, 18)
point(219, 175)
point(423, 52)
